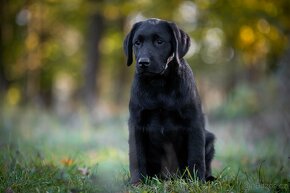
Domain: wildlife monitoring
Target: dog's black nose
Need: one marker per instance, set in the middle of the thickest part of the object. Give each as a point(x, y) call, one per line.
point(144, 62)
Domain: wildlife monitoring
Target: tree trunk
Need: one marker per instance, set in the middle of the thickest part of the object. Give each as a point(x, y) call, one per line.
point(3, 80)
point(33, 56)
point(284, 93)
point(95, 32)
point(123, 75)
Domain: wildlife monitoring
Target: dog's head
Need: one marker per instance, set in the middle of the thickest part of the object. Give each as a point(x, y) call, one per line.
point(156, 43)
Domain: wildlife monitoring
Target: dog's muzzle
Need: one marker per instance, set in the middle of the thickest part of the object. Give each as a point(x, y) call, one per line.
point(144, 63)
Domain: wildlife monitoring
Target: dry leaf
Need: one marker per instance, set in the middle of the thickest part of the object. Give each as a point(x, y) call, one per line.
point(67, 161)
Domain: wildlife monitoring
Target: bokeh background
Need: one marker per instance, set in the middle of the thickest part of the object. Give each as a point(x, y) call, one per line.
point(64, 83)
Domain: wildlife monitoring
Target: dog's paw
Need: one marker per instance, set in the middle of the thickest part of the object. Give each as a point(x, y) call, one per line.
point(135, 182)
point(210, 179)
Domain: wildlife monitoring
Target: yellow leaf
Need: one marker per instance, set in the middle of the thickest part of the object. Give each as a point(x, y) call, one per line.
point(67, 161)
point(247, 35)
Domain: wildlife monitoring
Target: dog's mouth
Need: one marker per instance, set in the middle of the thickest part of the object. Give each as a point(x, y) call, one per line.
point(147, 72)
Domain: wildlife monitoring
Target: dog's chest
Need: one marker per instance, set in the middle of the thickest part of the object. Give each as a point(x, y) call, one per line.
point(162, 122)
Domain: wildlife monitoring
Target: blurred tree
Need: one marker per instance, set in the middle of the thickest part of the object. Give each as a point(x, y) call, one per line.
point(33, 43)
point(123, 72)
point(254, 31)
point(3, 79)
point(50, 47)
point(95, 33)
point(283, 102)
point(11, 44)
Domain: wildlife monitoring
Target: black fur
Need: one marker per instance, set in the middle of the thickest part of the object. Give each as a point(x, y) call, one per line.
point(166, 125)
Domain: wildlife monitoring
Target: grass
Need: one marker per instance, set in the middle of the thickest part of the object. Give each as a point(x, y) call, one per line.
point(44, 152)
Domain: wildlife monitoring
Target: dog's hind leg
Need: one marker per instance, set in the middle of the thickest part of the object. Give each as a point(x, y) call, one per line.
point(209, 154)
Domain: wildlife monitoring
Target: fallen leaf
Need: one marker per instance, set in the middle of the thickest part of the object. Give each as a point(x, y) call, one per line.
point(67, 161)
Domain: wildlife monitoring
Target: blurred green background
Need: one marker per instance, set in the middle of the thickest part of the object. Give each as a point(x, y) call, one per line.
point(64, 83)
point(67, 54)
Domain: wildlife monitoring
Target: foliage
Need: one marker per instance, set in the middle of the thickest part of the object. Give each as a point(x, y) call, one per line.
point(45, 44)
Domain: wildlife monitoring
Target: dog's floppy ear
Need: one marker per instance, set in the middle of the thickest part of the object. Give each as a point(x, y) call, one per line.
point(181, 42)
point(128, 43)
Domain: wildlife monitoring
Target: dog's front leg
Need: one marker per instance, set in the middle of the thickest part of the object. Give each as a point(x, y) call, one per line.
point(196, 152)
point(136, 154)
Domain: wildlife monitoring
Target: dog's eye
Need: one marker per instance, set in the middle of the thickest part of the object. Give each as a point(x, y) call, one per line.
point(137, 43)
point(159, 42)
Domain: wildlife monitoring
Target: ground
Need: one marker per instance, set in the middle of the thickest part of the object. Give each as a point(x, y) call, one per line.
point(41, 151)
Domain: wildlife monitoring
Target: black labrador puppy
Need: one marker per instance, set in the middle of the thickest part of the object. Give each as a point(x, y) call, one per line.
point(166, 126)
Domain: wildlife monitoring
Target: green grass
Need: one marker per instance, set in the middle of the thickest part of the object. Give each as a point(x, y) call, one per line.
point(43, 152)
point(36, 175)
